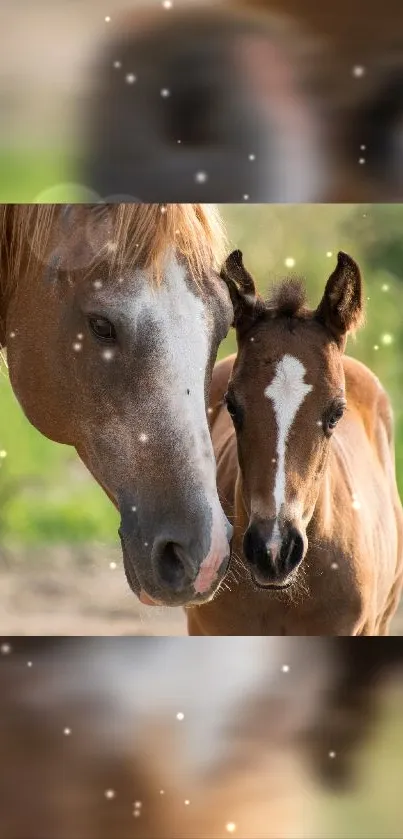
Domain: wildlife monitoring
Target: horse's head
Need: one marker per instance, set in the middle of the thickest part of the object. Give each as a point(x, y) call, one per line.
point(113, 355)
point(286, 398)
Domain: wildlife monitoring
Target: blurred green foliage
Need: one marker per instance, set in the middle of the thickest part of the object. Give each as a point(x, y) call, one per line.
point(24, 176)
point(46, 495)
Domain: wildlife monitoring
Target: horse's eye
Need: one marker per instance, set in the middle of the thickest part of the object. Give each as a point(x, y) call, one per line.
point(333, 416)
point(103, 329)
point(234, 410)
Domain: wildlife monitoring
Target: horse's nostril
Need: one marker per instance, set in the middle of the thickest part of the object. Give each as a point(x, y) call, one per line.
point(292, 550)
point(171, 568)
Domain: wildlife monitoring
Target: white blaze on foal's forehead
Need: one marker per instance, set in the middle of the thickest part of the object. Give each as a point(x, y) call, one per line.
point(287, 392)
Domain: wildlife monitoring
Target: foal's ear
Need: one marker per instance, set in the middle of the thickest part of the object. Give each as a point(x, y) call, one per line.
point(341, 309)
point(247, 303)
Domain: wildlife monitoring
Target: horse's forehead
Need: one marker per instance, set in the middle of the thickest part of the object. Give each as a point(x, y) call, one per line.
point(175, 294)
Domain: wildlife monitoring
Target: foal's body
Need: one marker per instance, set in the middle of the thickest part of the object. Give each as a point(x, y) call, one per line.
point(350, 579)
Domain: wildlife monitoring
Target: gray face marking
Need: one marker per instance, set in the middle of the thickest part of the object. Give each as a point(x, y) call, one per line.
point(179, 319)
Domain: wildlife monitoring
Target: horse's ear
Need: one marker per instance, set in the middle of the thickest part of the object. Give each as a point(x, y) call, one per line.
point(247, 303)
point(341, 309)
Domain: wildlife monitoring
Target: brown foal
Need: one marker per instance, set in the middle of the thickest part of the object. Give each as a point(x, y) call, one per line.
point(313, 490)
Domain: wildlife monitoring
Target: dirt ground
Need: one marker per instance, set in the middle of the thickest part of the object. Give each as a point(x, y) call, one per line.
point(60, 591)
point(55, 591)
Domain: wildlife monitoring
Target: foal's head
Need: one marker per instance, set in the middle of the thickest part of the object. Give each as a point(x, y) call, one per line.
point(286, 398)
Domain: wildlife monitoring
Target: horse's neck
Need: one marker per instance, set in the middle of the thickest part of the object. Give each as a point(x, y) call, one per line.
point(3, 314)
point(5, 216)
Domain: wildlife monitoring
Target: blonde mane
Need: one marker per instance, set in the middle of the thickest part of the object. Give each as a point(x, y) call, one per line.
point(139, 235)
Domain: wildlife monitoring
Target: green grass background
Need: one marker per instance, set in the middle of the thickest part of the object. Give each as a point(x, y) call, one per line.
point(47, 496)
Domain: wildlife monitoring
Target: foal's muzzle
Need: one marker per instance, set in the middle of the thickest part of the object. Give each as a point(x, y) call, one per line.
point(273, 556)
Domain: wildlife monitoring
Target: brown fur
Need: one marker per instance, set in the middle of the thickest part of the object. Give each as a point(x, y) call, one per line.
point(359, 595)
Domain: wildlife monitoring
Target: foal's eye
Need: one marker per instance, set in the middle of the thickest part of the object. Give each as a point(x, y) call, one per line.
point(103, 329)
point(333, 416)
point(233, 410)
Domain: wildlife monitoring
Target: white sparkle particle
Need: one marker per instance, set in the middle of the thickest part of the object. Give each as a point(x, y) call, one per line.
point(329, 254)
point(117, 65)
point(334, 566)
point(358, 71)
point(80, 336)
point(363, 148)
point(167, 4)
point(134, 509)
point(162, 792)
point(138, 805)
point(143, 438)
point(361, 161)
point(12, 334)
point(107, 355)
point(289, 262)
point(246, 197)
point(5, 649)
point(179, 141)
point(187, 802)
point(121, 280)
point(146, 544)
point(319, 423)
point(376, 346)
point(230, 827)
point(77, 346)
point(97, 284)
point(110, 793)
point(163, 209)
point(67, 732)
point(29, 663)
point(201, 177)
point(252, 340)
point(252, 157)
point(112, 566)
point(356, 505)
point(273, 460)
point(285, 668)
point(387, 339)
point(165, 93)
point(385, 287)
point(136, 814)
point(180, 716)
point(131, 78)
point(3, 454)
point(210, 410)
point(107, 19)
point(332, 755)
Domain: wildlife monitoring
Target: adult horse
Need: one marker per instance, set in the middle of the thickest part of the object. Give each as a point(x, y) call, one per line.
point(112, 316)
point(317, 511)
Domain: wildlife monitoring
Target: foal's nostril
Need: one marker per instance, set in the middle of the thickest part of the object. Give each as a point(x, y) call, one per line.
point(171, 568)
point(292, 550)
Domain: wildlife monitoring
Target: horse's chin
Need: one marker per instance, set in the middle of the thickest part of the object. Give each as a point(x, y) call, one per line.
point(263, 586)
